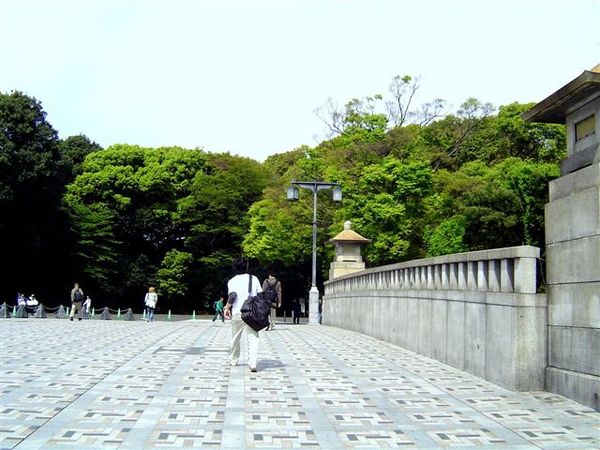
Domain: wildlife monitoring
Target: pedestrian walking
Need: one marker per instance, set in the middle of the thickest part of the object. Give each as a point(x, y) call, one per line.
point(76, 302)
point(238, 291)
point(218, 305)
point(321, 310)
point(87, 307)
point(296, 311)
point(271, 288)
point(150, 301)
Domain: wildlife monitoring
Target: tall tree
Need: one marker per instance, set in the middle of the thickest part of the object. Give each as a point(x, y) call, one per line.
point(33, 228)
point(388, 205)
point(215, 214)
point(125, 210)
point(73, 151)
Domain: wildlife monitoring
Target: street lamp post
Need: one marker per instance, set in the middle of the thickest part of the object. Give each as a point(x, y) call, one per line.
point(292, 194)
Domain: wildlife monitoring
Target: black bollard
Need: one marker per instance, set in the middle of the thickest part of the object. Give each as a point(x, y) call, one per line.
point(61, 313)
point(40, 312)
point(4, 314)
point(105, 314)
point(129, 315)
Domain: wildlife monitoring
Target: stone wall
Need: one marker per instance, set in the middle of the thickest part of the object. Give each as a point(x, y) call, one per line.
point(476, 311)
point(573, 278)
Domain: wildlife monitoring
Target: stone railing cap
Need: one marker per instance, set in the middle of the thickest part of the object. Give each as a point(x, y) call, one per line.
point(522, 251)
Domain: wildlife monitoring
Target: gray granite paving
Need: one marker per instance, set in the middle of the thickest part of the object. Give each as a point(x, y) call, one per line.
point(138, 385)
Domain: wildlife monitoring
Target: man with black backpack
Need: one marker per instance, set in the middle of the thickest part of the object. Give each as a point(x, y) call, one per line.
point(76, 301)
point(239, 288)
point(271, 288)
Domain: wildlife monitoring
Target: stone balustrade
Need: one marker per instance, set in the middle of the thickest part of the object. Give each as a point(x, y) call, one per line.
point(477, 311)
point(511, 269)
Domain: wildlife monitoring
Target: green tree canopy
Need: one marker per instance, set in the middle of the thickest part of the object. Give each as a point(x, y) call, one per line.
point(34, 230)
point(124, 207)
point(169, 217)
point(415, 181)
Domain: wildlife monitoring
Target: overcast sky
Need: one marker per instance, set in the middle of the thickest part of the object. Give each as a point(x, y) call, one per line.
point(246, 76)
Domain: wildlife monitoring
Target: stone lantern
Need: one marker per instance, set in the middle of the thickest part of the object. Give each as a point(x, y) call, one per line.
point(348, 258)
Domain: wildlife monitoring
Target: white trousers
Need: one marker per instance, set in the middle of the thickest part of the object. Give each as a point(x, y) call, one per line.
point(237, 327)
point(76, 307)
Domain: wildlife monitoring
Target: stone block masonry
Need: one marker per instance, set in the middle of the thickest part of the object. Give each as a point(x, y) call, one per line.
point(476, 311)
point(573, 261)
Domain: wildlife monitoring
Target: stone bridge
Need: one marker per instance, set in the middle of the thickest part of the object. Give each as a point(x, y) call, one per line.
point(476, 311)
point(480, 311)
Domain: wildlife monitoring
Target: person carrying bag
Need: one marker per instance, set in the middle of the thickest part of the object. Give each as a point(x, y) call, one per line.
point(241, 287)
point(256, 309)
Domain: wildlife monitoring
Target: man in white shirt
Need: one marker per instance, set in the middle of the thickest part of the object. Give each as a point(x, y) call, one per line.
point(87, 307)
point(238, 288)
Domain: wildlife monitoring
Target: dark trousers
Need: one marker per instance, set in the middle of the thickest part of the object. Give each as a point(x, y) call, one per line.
point(217, 314)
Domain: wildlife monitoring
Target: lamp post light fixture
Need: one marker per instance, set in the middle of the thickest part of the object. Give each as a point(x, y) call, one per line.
point(292, 194)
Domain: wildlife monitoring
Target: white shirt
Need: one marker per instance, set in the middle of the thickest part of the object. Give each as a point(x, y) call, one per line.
point(151, 298)
point(239, 285)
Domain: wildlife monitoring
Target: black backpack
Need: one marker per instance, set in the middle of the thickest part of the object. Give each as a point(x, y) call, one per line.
point(78, 296)
point(271, 293)
point(255, 310)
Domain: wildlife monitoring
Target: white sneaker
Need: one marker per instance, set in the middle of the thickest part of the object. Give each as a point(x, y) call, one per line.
point(233, 363)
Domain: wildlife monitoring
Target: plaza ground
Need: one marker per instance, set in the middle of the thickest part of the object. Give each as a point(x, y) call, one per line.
point(136, 385)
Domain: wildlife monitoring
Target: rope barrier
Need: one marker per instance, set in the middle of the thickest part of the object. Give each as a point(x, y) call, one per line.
point(40, 311)
point(50, 310)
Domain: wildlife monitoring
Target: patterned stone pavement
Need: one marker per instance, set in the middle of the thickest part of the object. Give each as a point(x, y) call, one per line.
point(135, 385)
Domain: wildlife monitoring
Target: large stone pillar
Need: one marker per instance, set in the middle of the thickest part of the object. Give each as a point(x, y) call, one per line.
point(573, 278)
point(573, 243)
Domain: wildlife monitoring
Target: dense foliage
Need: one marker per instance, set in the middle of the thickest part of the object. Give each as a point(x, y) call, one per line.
point(35, 232)
point(415, 181)
point(168, 217)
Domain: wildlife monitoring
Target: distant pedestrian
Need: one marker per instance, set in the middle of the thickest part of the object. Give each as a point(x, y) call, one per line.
point(150, 301)
point(321, 310)
point(218, 305)
point(237, 288)
point(87, 306)
point(32, 301)
point(271, 288)
point(76, 301)
point(296, 311)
